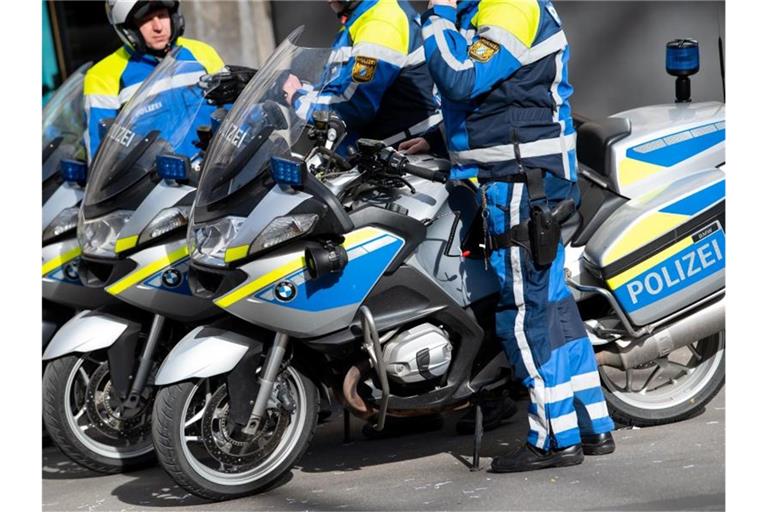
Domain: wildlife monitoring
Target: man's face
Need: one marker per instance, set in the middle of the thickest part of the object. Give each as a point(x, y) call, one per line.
point(336, 6)
point(155, 28)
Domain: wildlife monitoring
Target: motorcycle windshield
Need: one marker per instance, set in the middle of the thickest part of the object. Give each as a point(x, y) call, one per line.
point(64, 123)
point(161, 118)
point(262, 123)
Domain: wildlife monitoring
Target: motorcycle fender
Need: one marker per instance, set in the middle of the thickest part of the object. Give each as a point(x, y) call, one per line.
point(86, 332)
point(203, 352)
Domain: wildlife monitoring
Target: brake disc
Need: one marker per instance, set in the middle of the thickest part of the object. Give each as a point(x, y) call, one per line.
point(105, 413)
point(225, 441)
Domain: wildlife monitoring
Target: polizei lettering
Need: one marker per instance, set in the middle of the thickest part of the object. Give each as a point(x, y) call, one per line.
point(234, 135)
point(703, 259)
point(121, 135)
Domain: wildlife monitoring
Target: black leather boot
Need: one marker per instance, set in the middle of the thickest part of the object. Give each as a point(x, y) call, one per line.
point(494, 412)
point(529, 458)
point(598, 444)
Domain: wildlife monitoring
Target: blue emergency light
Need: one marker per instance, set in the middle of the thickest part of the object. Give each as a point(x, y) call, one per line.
point(682, 57)
point(172, 167)
point(288, 171)
point(73, 171)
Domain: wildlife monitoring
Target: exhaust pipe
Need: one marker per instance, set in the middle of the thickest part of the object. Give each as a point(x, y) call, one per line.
point(705, 322)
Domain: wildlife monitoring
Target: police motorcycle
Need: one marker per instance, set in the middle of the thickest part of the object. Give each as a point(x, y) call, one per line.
point(97, 386)
point(64, 176)
point(363, 274)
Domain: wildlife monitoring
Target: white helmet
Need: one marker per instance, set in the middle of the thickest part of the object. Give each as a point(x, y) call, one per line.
point(121, 14)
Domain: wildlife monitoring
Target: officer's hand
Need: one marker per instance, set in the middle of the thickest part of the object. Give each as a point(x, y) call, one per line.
point(291, 85)
point(414, 146)
point(451, 3)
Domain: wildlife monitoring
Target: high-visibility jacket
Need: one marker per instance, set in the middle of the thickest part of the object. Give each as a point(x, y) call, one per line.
point(383, 89)
point(111, 82)
point(501, 67)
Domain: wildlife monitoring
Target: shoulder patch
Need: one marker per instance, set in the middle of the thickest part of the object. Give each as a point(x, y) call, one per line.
point(364, 69)
point(483, 49)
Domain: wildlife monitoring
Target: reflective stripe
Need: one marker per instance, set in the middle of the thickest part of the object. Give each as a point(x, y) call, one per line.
point(147, 271)
point(436, 30)
point(518, 49)
point(172, 82)
point(585, 381)
point(416, 129)
point(315, 98)
point(559, 392)
point(102, 101)
point(564, 422)
point(538, 392)
point(553, 44)
point(468, 34)
point(60, 260)
point(377, 51)
point(128, 92)
point(340, 55)
point(506, 152)
point(416, 57)
point(597, 410)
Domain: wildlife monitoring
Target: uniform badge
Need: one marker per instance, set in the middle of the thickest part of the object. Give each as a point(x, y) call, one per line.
point(483, 49)
point(363, 69)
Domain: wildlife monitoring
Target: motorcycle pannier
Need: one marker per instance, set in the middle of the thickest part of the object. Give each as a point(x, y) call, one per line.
point(664, 250)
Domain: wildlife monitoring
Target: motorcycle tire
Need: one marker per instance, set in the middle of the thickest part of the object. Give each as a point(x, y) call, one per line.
point(60, 424)
point(684, 399)
point(172, 411)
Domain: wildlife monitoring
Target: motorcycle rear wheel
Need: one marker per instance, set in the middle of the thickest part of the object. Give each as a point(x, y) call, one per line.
point(208, 455)
point(669, 389)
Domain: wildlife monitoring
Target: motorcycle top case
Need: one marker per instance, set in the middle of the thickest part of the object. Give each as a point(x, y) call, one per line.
point(664, 250)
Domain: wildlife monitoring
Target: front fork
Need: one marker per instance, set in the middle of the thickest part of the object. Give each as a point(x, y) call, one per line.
point(145, 363)
point(267, 382)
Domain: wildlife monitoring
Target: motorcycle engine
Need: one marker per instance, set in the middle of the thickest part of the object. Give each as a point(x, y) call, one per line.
point(419, 354)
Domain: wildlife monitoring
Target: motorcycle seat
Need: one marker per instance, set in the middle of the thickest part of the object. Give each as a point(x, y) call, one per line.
point(594, 139)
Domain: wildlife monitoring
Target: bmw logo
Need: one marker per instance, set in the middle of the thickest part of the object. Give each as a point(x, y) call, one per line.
point(70, 270)
point(285, 291)
point(172, 278)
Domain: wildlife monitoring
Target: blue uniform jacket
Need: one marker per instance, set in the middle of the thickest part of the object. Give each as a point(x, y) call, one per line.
point(111, 82)
point(383, 87)
point(501, 69)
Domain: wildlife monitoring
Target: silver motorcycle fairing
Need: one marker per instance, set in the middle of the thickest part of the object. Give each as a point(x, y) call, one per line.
point(204, 352)
point(666, 128)
point(314, 307)
point(66, 196)
point(85, 332)
point(61, 281)
point(159, 283)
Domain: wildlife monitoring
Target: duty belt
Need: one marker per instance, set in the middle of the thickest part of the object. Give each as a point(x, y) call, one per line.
point(507, 152)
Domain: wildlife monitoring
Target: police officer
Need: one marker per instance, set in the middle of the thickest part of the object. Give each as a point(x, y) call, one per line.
point(383, 89)
point(148, 31)
point(501, 67)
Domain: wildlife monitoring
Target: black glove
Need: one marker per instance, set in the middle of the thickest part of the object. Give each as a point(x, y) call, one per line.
point(224, 87)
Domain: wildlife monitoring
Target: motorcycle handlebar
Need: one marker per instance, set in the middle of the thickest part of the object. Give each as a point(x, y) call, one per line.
point(425, 173)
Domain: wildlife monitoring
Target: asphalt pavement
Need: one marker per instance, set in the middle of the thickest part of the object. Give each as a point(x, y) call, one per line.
point(672, 467)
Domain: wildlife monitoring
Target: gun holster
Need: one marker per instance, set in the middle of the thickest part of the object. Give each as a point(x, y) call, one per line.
point(539, 234)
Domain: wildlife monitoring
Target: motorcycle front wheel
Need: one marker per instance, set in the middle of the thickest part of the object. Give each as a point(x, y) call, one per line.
point(210, 456)
point(668, 389)
point(84, 418)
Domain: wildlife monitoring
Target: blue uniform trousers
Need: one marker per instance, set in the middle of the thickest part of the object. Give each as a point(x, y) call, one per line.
point(540, 328)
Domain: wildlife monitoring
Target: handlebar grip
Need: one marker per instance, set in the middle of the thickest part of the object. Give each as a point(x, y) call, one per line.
point(427, 174)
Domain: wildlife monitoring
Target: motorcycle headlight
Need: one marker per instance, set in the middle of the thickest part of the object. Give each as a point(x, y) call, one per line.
point(282, 229)
point(208, 243)
point(65, 221)
point(97, 237)
point(164, 222)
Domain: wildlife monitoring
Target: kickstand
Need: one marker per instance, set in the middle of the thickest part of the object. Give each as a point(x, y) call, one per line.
point(347, 429)
point(478, 437)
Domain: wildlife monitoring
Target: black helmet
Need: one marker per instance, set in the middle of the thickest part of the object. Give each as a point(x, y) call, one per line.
point(121, 15)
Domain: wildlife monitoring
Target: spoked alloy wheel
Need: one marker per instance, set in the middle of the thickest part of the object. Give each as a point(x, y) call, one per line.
point(667, 389)
point(209, 455)
point(84, 416)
